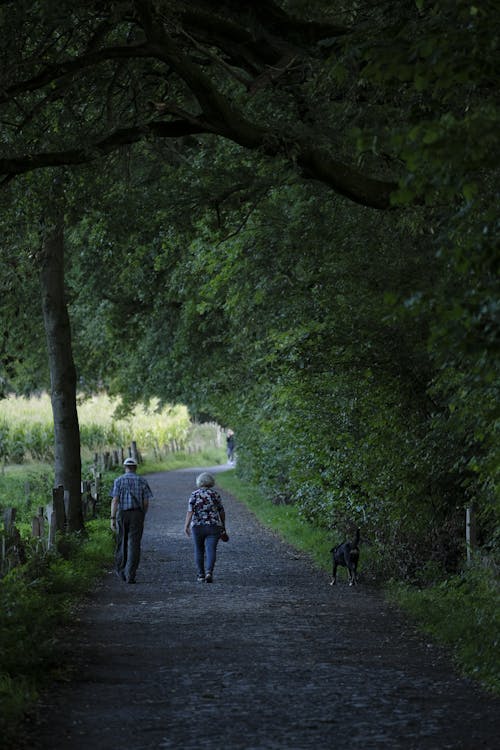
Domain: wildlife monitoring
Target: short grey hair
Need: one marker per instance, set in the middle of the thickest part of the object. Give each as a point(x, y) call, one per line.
point(205, 480)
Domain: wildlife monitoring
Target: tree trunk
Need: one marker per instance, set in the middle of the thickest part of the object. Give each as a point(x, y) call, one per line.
point(68, 468)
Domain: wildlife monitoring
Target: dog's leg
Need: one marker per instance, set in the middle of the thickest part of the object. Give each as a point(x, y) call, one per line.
point(351, 572)
point(334, 574)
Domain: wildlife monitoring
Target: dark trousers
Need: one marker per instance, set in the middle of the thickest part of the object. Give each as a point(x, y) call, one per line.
point(128, 543)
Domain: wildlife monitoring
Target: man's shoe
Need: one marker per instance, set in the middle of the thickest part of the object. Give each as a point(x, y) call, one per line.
point(200, 579)
point(208, 578)
point(120, 574)
point(131, 580)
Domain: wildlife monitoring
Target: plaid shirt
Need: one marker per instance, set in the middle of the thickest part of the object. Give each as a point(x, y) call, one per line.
point(131, 490)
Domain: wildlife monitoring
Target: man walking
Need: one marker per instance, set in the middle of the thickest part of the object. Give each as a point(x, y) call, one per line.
point(130, 501)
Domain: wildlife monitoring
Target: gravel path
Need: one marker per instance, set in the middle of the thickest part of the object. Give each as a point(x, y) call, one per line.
point(267, 657)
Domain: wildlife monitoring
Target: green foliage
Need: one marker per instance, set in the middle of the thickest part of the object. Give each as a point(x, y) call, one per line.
point(444, 60)
point(461, 612)
point(34, 600)
point(26, 491)
point(450, 134)
point(16, 694)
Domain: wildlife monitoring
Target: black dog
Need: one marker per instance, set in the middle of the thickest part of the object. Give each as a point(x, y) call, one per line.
point(347, 555)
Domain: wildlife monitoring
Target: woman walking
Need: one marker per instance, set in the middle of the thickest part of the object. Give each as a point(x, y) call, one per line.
point(205, 520)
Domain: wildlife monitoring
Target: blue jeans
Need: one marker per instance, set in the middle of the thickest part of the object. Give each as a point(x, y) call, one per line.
point(206, 539)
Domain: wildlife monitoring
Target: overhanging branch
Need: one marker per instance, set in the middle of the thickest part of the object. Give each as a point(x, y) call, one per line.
point(68, 67)
point(126, 136)
point(218, 113)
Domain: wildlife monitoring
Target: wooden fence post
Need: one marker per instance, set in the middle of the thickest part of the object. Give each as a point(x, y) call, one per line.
point(470, 532)
point(38, 526)
point(13, 549)
point(84, 492)
point(9, 519)
point(88, 501)
point(95, 488)
point(51, 516)
point(42, 516)
point(134, 453)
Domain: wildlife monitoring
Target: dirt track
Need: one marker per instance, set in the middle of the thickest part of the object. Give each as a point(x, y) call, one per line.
point(267, 657)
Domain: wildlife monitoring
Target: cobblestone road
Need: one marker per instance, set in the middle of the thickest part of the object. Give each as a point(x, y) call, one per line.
point(268, 657)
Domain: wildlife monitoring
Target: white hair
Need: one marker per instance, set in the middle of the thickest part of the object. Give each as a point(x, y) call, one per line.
point(205, 480)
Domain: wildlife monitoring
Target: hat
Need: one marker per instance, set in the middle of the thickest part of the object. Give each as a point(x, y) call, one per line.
point(130, 462)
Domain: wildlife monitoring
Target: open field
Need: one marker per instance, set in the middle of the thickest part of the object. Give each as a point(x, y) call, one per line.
point(26, 429)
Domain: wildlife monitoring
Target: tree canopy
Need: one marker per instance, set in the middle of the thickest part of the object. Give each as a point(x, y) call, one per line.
point(81, 80)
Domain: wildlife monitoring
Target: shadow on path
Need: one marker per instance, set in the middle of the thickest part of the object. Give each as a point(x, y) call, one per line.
point(267, 657)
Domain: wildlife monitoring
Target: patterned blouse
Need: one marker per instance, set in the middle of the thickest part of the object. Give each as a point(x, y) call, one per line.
point(206, 505)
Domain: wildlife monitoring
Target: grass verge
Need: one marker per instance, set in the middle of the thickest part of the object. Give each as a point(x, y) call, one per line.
point(284, 519)
point(206, 457)
point(462, 613)
point(35, 600)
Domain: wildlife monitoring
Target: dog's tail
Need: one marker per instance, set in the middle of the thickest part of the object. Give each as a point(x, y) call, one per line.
point(356, 539)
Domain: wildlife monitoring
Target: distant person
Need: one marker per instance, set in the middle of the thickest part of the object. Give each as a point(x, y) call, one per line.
point(230, 446)
point(131, 495)
point(205, 521)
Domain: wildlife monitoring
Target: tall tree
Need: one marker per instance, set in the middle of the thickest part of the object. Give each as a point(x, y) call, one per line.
point(37, 343)
point(62, 369)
